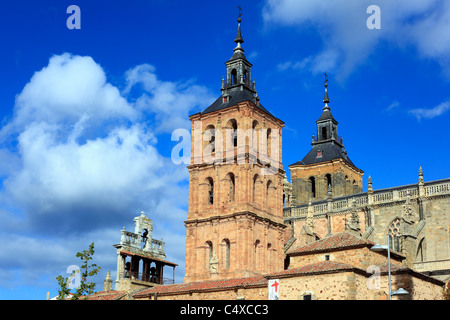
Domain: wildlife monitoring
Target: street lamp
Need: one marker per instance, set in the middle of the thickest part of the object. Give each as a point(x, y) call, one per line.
point(379, 248)
point(400, 292)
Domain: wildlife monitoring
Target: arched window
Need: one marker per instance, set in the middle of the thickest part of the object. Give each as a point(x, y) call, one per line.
point(328, 177)
point(256, 188)
point(226, 245)
point(231, 186)
point(209, 252)
point(231, 134)
point(210, 184)
point(394, 233)
point(255, 127)
point(269, 141)
point(233, 77)
point(234, 133)
point(329, 185)
point(324, 133)
point(269, 257)
point(257, 255)
point(269, 194)
point(210, 137)
point(312, 181)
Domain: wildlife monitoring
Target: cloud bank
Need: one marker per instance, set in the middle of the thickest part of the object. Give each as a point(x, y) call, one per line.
point(346, 40)
point(81, 158)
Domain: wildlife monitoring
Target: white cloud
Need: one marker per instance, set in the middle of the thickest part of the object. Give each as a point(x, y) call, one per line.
point(430, 113)
point(393, 106)
point(170, 102)
point(67, 89)
point(86, 161)
point(347, 42)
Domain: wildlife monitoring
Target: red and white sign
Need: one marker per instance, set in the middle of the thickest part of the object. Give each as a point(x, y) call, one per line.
point(274, 289)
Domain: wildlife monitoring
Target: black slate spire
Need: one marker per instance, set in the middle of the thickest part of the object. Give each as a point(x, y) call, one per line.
point(326, 99)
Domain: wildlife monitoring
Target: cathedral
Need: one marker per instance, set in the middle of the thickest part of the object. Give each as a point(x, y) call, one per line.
point(252, 234)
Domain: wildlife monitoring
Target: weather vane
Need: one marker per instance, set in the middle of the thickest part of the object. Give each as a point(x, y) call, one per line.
point(240, 14)
point(326, 77)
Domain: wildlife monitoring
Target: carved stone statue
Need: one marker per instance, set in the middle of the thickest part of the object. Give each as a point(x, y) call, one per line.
point(213, 263)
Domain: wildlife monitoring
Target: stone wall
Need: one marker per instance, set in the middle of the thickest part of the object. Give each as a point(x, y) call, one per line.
point(421, 212)
point(235, 224)
point(358, 257)
point(260, 293)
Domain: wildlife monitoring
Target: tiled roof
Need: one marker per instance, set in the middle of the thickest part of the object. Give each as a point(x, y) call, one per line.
point(150, 256)
point(258, 281)
point(316, 268)
point(335, 242)
point(111, 295)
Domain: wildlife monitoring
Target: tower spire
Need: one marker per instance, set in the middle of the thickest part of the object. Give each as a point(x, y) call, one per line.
point(326, 100)
point(238, 40)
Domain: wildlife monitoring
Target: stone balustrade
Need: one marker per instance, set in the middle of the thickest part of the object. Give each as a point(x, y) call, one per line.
point(429, 189)
point(432, 265)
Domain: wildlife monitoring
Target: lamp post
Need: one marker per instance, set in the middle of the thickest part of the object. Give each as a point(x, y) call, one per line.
point(378, 248)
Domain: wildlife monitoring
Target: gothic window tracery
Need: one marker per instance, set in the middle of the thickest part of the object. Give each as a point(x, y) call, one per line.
point(394, 233)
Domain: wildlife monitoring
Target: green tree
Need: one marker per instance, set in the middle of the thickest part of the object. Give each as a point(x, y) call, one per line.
point(64, 290)
point(87, 270)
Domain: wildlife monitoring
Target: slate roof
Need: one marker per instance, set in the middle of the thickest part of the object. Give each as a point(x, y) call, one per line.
point(330, 151)
point(326, 115)
point(238, 54)
point(235, 96)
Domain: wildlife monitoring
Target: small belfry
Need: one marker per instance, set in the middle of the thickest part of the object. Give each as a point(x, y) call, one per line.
point(140, 258)
point(326, 168)
point(235, 224)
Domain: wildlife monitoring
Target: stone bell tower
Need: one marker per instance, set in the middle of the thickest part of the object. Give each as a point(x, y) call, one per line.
point(140, 258)
point(327, 169)
point(235, 224)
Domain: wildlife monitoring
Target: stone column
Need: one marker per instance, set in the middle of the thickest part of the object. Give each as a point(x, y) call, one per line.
point(120, 266)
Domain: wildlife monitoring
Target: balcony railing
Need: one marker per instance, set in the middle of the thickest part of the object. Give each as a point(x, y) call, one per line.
point(430, 189)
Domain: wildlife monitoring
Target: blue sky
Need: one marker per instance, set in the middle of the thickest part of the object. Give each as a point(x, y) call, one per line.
point(87, 115)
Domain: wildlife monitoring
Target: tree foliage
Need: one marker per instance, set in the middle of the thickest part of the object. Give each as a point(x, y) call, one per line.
point(87, 270)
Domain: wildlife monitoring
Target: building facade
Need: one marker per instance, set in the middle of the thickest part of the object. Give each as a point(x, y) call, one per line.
point(326, 192)
point(248, 225)
point(235, 223)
